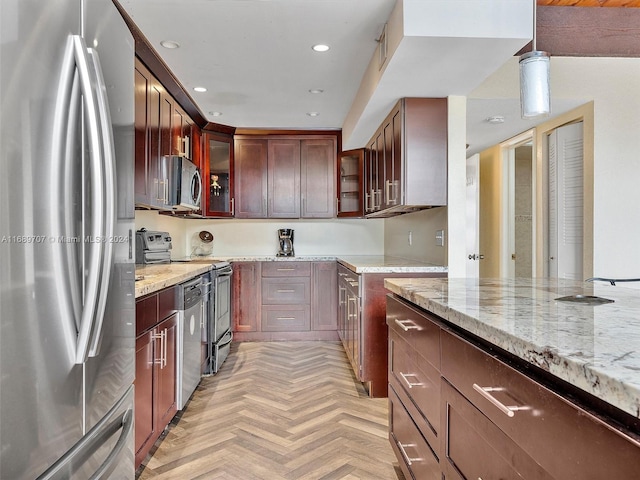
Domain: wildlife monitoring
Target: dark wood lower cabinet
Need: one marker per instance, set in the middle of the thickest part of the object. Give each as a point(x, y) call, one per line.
point(474, 447)
point(156, 365)
point(499, 419)
point(285, 300)
point(415, 456)
point(363, 327)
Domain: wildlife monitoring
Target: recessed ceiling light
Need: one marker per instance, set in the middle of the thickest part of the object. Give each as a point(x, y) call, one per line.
point(215, 114)
point(320, 48)
point(313, 114)
point(316, 90)
point(200, 89)
point(170, 44)
point(495, 119)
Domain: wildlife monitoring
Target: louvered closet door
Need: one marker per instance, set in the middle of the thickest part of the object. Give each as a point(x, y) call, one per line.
point(566, 202)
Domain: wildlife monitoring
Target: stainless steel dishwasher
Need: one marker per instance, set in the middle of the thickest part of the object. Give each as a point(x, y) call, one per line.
point(190, 317)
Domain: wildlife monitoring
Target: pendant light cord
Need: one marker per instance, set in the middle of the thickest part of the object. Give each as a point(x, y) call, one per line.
point(534, 23)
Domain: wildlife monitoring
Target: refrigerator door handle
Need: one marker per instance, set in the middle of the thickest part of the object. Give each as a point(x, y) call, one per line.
point(81, 451)
point(109, 179)
point(94, 268)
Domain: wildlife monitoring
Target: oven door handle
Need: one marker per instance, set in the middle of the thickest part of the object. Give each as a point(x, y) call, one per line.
point(226, 342)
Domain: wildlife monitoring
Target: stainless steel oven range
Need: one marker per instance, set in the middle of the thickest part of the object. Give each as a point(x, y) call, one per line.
point(219, 315)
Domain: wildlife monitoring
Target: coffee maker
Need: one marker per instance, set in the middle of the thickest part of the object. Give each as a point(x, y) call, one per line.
point(285, 238)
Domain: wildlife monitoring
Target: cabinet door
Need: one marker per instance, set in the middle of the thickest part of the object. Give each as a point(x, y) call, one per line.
point(246, 296)
point(196, 145)
point(144, 421)
point(416, 456)
point(178, 124)
point(250, 166)
point(166, 335)
point(149, 186)
point(350, 183)
point(141, 125)
point(284, 179)
point(318, 178)
point(217, 174)
point(392, 132)
point(324, 295)
point(474, 447)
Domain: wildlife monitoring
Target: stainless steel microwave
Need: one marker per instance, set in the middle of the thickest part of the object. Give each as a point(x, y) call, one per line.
point(185, 183)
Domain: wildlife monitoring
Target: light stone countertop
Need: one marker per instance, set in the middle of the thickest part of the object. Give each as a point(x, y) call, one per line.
point(385, 264)
point(356, 263)
point(595, 348)
point(159, 276)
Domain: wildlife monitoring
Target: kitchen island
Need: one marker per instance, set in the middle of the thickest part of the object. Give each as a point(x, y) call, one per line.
point(523, 369)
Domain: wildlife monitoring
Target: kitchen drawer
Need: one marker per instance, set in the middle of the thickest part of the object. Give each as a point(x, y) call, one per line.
point(416, 458)
point(540, 421)
point(146, 313)
point(418, 386)
point(286, 318)
point(286, 291)
point(417, 328)
point(167, 302)
point(474, 447)
point(286, 269)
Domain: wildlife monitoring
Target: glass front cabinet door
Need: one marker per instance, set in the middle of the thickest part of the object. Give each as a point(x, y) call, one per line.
point(218, 175)
point(350, 187)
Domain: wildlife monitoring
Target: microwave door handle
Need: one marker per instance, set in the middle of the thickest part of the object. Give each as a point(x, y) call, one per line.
point(96, 215)
point(196, 183)
point(105, 242)
point(64, 258)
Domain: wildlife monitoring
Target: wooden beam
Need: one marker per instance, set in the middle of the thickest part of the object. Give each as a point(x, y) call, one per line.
point(587, 31)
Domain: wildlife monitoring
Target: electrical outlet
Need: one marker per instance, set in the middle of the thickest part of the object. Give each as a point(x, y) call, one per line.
point(440, 238)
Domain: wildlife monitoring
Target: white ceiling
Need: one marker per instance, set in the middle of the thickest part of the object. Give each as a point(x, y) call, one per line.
point(255, 59)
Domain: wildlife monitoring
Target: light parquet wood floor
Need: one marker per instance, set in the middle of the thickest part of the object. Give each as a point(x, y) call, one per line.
point(278, 411)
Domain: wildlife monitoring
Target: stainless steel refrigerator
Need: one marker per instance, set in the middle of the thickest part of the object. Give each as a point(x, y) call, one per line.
point(67, 307)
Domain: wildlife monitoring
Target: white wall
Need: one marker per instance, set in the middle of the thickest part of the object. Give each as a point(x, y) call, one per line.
point(423, 226)
point(259, 237)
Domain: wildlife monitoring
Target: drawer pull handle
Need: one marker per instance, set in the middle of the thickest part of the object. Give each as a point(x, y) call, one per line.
point(411, 384)
point(286, 318)
point(286, 269)
point(509, 411)
point(286, 291)
point(406, 328)
point(404, 453)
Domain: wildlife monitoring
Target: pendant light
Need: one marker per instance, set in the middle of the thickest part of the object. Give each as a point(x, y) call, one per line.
point(535, 95)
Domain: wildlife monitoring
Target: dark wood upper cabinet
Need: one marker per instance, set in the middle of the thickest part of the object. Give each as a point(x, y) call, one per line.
point(152, 138)
point(406, 169)
point(350, 183)
point(285, 176)
point(217, 175)
point(317, 174)
point(250, 177)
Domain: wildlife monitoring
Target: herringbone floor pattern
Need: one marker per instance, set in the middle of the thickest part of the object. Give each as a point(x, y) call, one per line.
point(278, 411)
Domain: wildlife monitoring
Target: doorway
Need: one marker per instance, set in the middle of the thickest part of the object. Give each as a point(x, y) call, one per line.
point(518, 245)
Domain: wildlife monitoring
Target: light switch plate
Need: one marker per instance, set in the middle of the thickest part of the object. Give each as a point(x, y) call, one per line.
point(440, 238)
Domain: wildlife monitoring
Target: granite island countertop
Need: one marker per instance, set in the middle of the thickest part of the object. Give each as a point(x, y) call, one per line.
point(595, 348)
